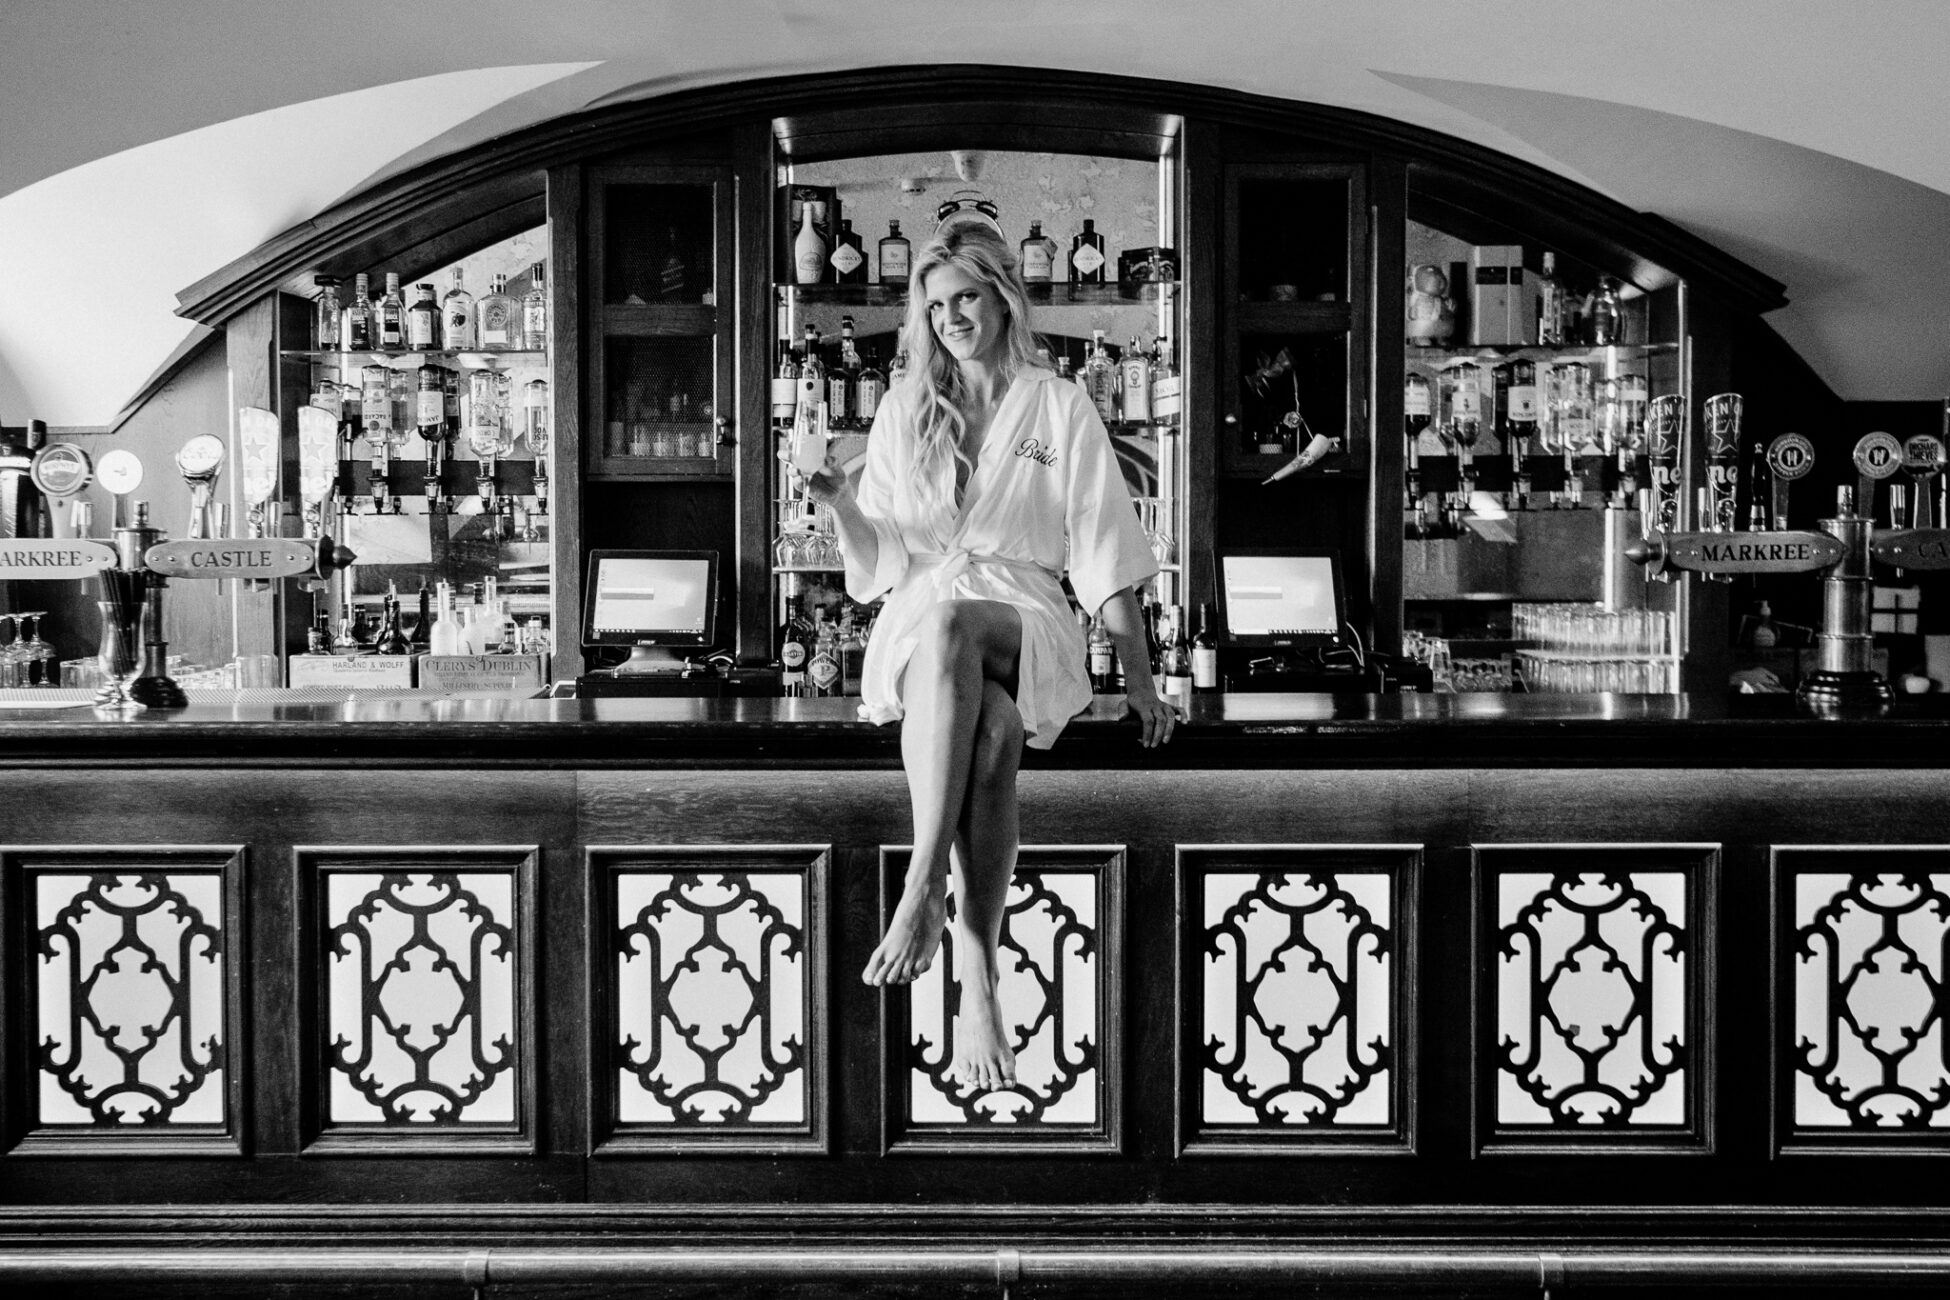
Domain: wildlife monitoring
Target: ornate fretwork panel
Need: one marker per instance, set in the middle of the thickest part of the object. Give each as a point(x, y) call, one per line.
point(1292, 1033)
point(422, 991)
point(1059, 941)
point(131, 997)
point(1594, 977)
point(1868, 957)
point(714, 997)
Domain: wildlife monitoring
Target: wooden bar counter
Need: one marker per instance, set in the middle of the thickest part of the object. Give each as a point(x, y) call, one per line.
point(1420, 992)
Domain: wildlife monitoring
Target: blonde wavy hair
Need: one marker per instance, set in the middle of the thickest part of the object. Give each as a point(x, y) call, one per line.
point(933, 383)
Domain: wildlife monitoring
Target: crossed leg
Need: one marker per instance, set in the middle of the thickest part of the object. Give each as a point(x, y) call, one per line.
point(966, 647)
point(984, 863)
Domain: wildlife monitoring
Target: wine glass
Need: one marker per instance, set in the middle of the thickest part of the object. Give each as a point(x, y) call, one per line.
point(42, 664)
point(11, 662)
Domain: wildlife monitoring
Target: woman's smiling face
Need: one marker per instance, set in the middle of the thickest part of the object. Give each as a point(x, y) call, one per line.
point(967, 316)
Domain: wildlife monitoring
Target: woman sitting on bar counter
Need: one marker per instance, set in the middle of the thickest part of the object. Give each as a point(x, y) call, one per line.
point(986, 476)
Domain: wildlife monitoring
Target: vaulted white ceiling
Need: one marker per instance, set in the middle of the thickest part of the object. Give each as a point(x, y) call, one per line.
point(143, 145)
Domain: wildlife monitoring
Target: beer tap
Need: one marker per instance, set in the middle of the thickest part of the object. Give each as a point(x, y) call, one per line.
point(317, 472)
point(1923, 461)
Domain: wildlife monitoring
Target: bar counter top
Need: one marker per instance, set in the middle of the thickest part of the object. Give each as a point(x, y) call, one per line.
point(1223, 731)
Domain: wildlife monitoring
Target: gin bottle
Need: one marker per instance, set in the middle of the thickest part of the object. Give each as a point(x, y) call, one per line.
point(457, 318)
point(1100, 379)
point(534, 311)
point(360, 336)
point(392, 315)
point(498, 319)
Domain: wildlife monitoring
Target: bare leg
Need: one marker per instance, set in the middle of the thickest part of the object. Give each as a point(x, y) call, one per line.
point(985, 862)
point(963, 644)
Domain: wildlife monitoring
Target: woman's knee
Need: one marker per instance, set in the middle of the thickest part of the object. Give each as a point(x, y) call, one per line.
point(955, 628)
point(998, 737)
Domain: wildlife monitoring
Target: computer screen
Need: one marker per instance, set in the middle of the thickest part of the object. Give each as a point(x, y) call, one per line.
point(1282, 598)
point(654, 598)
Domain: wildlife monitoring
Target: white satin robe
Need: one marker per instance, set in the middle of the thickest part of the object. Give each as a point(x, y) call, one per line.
point(1045, 497)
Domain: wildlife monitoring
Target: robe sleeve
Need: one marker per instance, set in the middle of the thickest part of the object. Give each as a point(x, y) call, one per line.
point(1108, 548)
point(876, 497)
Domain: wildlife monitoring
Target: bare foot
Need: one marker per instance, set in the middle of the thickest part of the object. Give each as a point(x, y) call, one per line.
point(913, 936)
point(983, 1058)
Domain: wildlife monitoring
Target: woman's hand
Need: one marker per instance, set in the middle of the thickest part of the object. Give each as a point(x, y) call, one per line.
point(1157, 718)
point(829, 484)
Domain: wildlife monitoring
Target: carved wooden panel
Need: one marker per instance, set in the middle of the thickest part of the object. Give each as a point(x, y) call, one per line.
point(127, 1024)
point(710, 995)
point(1297, 992)
point(1862, 944)
point(1591, 967)
point(417, 1016)
point(1061, 964)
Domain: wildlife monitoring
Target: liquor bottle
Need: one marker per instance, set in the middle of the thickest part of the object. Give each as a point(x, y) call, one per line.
point(391, 641)
point(812, 372)
point(1521, 402)
point(896, 256)
point(897, 368)
point(327, 318)
point(444, 637)
point(867, 392)
point(1552, 306)
point(430, 409)
point(1087, 255)
point(1415, 409)
point(1103, 654)
point(808, 249)
point(1607, 316)
point(1176, 660)
point(852, 651)
point(376, 405)
point(534, 421)
point(1205, 652)
point(1759, 480)
point(823, 671)
point(392, 315)
point(422, 637)
point(1134, 385)
point(1100, 378)
point(497, 318)
point(423, 320)
point(1167, 387)
point(840, 380)
point(1063, 370)
point(360, 335)
point(457, 317)
point(534, 311)
point(792, 655)
point(848, 260)
point(785, 388)
point(1038, 255)
point(673, 278)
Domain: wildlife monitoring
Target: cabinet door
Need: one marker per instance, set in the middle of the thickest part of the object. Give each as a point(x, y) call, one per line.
point(661, 323)
point(1294, 365)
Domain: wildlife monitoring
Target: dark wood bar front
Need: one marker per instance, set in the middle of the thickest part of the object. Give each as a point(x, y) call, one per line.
point(1424, 992)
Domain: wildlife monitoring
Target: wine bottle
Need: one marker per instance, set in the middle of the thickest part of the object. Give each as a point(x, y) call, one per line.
point(1205, 652)
point(1176, 660)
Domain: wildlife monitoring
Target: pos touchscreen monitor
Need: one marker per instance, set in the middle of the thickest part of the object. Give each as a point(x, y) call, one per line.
point(654, 602)
point(1283, 597)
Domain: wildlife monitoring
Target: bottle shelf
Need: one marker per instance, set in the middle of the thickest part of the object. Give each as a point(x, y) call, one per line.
point(404, 360)
point(807, 568)
point(892, 295)
point(1597, 353)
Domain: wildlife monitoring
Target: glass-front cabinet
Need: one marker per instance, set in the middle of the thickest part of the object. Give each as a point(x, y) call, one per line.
point(1097, 238)
point(1532, 389)
point(424, 446)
